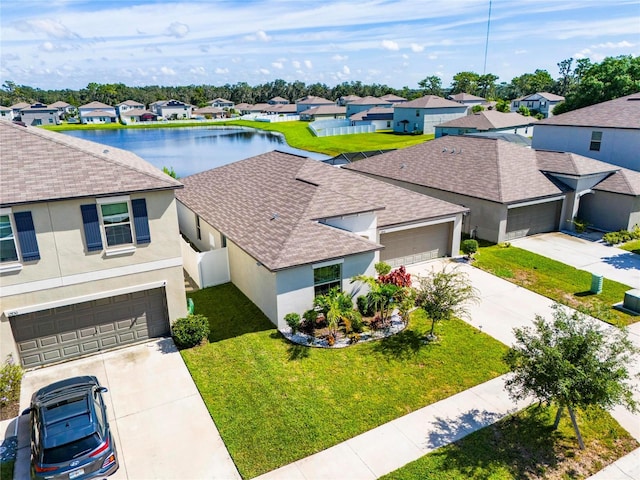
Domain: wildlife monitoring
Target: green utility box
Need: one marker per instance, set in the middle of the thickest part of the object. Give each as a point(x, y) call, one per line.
point(596, 283)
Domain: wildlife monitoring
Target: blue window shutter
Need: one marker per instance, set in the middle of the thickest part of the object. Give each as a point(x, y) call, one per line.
point(91, 227)
point(26, 236)
point(141, 220)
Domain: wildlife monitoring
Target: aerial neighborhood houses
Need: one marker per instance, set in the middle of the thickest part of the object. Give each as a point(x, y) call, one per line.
point(93, 257)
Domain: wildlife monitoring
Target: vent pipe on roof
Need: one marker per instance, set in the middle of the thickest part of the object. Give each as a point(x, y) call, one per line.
point(444, 149)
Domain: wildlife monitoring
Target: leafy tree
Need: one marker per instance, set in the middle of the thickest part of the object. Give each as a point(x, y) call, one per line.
point(465, 82)
point(337, 307)
point(503, 106)
point(524, 110)
point(539, 81)
point(445, 294)
point(469, 247)
point(614, 77)
point(487, 85)
point(477, 108)
point(432, 85)
point(566, 80)
point(170, 171)
point(573, 363)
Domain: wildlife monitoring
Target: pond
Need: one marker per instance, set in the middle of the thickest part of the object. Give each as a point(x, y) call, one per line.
point(192, 150)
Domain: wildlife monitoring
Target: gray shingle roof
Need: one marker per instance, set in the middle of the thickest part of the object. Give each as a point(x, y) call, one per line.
point(623, 112)
point(311, 100)
point(269, 205)
point(461, 97)
point(552, 97)
point(369, 100)
point(484, 168)
point(624, 181)
point(390, 97)
point(325, 110)
point(95, 105)
point(490, 120)
point(430, 101)
point(131, 103)
point(39, 165)
point(571, 163)
point(60, 104)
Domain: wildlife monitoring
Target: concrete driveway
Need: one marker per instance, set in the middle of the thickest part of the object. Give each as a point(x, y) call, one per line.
point(592, 256)
point(161, 426)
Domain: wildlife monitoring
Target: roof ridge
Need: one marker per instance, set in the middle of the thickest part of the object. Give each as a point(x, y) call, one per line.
point(59, 141)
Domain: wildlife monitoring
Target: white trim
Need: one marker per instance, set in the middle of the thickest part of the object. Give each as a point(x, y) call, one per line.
point(118, 199)
point(114, 252)
point(417, 225)
point(327, 263)
point(98, 275)
point(5, 211)
point(11, 267)
point(536, 202)
point(83, 298)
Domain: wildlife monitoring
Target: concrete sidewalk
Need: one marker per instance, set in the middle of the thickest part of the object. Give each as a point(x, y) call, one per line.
point(503, 307)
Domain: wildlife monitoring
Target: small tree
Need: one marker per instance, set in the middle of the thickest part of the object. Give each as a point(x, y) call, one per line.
point(293, 320)
point(571, 362)
point(445, 294)
point(469, 247)
point(524, 111)
point(382, 268)
point(477, 108)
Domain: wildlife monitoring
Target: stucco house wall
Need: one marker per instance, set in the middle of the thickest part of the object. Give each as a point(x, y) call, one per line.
point(424, 119)
point(610, 211)
point(618, 147)
point(66, 271)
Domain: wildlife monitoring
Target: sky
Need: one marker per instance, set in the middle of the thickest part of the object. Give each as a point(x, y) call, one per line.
point(58, 44)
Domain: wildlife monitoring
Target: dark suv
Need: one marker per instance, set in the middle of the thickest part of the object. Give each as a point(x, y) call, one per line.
point(70, 435)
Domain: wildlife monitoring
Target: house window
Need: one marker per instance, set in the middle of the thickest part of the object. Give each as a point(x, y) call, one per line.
point(223, 241)
point(17, 237)
point(327, 277)
point(388, 123)
point(8, 249)
point(516, 104)
point(417, 113)
point(116, 222)
point(596, 140)
point(198, 232)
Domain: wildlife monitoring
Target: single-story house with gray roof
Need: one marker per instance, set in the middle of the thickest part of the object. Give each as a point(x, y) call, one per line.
point(289, 227)
point(511, 191)
point(488, 121)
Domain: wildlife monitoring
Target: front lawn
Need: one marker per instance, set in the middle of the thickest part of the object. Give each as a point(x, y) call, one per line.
point(557, 281)
point(525, 445)
point(633, 246)
point(275, 402)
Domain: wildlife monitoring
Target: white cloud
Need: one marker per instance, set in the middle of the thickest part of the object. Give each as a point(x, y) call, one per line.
point(236, 60)
point(221, 71)
point(47, 46)
point(51, 28)
point(520, 52)
point(198, 70)
point(308, 64)
point(168, 71)
point(340, 58)
point(295, 64)
point(152, 49)
point(432, 56)
point(264, 71)
point(278, 65)
point(177, 30)
point(390, 45)
point(622, 44)
point(405, 56)
point(346, 70)
point(260, 36)
point(416, 48)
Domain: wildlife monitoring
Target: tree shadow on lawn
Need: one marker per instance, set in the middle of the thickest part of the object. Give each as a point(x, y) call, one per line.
point(525, 444)
point(401, 346)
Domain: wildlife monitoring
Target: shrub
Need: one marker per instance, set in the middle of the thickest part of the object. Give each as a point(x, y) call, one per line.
point(365, 307)
point(308, 325)
point(580, 225)
point(612, 238)
point(293, 320)
point(10, 378)
point(190, 331)
point(354, 338)
point(469, 247)
point(398, 277)
point(376, 323)
point(382, 268)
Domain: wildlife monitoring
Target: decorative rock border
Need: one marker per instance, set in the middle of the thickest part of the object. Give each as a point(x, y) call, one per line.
point(397, 325)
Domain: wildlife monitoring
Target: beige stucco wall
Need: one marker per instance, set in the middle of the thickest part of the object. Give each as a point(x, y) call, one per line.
point(610, 211)
point(67, 271)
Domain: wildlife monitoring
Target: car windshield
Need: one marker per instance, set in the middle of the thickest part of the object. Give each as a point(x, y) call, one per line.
point(69, 451)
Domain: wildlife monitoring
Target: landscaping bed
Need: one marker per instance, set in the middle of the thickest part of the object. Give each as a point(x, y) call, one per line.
point(275, 402)
point(525, 445)
point(557, 281)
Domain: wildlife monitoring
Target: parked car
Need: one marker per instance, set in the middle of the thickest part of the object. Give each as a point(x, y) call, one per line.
point(70, 434)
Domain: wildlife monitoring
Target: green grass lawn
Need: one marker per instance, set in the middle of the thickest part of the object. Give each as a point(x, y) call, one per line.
point(275, 402)
point(525, 445)
point(632, 246)
point(297, 134)
point(555, 280)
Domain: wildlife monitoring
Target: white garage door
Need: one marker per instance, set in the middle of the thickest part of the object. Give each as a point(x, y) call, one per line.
point(532, 219)
point(415, 245)
point(63, 333)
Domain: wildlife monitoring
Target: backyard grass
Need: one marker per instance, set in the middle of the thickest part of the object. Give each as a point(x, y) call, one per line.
point(6, 469)
point(297, 135)
point(557, 281)
point(525, 445)
point(633, 246)
point(275, 402)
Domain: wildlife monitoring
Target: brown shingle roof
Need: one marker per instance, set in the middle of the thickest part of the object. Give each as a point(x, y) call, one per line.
point(311, 100)
point(369, 100)
point(490, 120)
point(325, 110)
point(571, 163)
point(60, 104)
point(390, 97)
point(623, 112)
point(95, 105)
point(461, 97)
point(485, 168)
point(39, 165)
point(430, 101)
point(624, 181)
point(131, 103)
point(269, 205)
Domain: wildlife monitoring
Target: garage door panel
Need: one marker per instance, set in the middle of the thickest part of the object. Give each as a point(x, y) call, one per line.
point(58, 334)
point(415, 245)
point(532, 219)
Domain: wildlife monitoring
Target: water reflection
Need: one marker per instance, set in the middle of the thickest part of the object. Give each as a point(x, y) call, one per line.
point(191, 150)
